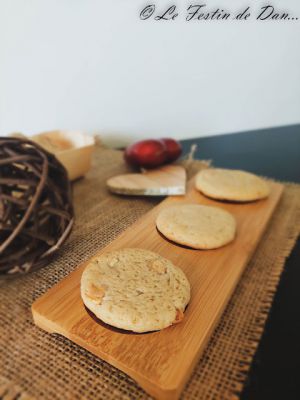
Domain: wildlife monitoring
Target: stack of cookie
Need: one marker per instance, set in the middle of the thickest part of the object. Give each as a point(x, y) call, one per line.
point(140, 291)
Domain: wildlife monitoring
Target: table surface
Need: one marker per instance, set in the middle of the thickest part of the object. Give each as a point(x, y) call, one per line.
point(273, 152)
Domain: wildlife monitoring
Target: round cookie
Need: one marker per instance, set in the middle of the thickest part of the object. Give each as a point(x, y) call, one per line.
point(197, 226)
point(232, 185)
point(135, 289)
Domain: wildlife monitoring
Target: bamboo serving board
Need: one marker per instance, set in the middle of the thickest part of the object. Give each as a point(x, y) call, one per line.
point(161, 362)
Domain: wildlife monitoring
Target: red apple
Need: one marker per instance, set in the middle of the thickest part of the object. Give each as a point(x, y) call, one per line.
point(173, 147)
point(149, 153)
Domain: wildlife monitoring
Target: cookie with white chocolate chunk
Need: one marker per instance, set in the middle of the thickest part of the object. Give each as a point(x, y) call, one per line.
point(135, 289)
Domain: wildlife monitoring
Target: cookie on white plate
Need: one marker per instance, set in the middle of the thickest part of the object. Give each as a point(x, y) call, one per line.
point(232, 185)
point(135, 289)
point(197, 226)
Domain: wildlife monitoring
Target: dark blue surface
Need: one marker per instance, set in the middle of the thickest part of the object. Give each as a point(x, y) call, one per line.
point(275, 152)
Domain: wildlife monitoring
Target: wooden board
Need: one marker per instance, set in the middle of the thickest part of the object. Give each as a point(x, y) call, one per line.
point(161, 362)
point(168, 180)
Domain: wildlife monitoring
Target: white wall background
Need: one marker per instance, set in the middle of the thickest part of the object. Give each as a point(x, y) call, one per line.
point(94, 65)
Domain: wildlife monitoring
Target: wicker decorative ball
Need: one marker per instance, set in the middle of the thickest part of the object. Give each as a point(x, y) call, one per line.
point(36, 211)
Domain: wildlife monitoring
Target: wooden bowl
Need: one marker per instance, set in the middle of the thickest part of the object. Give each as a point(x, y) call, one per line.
point(72, 148)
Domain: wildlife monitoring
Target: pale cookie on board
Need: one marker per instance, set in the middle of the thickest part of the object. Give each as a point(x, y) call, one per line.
point(197, 226)
point(135, 289)
point(232, 185)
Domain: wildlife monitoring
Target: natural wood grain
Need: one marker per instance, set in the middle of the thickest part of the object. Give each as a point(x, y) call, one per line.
point(161, 362)
point(163, 181)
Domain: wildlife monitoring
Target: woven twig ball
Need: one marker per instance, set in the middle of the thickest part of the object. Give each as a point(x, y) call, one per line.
point(36, 212)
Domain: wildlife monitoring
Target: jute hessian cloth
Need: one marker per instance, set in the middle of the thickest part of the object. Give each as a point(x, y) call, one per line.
point(37, 365)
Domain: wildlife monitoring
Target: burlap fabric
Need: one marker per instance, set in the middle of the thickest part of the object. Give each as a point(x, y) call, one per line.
point(37, 365)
